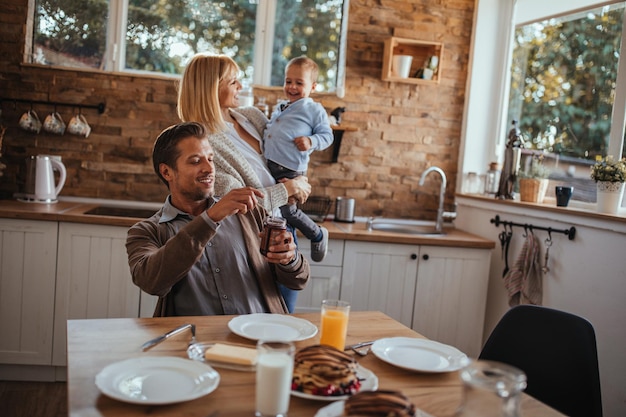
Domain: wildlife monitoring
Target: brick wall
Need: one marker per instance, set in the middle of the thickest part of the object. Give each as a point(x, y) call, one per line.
point(402, 128)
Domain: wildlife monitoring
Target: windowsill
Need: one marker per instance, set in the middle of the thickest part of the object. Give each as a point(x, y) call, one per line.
point(584, 212)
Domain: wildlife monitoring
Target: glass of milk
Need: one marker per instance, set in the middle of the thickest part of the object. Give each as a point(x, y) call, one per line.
point(274, 370)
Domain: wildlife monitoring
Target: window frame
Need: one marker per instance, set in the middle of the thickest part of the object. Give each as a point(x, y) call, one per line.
point(115, 49)
point(484, 126)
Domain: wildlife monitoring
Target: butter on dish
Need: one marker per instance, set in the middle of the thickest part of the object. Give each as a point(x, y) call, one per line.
point(224, 355)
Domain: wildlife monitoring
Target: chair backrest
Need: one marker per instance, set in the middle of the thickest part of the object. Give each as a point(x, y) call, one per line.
point(558, 353)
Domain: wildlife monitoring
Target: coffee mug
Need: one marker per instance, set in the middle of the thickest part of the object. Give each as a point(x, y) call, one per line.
point(563, 194)
point(78, 126)
point(54, 124)
point(30, 122)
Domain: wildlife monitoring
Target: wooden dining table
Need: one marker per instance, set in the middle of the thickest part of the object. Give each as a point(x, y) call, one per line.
point(94, 344)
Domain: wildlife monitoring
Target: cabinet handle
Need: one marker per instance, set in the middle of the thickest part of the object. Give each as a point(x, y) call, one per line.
point(425, 257)
point(413, 256)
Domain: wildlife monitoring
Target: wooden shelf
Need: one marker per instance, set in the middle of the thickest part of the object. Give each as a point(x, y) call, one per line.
point(338, 136)
point(421, 51)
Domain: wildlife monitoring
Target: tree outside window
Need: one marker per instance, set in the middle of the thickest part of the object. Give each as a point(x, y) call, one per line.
point(562, 90)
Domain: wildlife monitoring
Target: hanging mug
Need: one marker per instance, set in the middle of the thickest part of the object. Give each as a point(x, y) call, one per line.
point(78, 126)
point(30, 121)
point(54, 124)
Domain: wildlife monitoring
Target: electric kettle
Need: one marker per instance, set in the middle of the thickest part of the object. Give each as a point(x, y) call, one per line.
point(40, 181)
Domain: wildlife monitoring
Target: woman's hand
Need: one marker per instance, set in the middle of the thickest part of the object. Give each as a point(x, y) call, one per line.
point(282, 249)
point(298, 188)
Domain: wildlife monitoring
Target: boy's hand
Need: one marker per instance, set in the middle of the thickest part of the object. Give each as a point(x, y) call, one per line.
point(303, 143)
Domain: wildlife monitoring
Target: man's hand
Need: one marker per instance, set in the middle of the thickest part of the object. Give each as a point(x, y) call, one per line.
point(282, 250)
point(236, 201)
point(303, 143)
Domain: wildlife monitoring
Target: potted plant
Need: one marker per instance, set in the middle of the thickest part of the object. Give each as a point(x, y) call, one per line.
point(533, 182)
point(609, 175)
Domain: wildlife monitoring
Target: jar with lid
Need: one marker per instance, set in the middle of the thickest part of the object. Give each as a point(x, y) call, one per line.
point(271, 227)
point(492, 179)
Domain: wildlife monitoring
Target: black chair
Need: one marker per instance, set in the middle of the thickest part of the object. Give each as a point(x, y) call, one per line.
point(557, 351)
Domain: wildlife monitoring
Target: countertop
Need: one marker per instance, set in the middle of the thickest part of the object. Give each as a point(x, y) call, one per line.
point(73, 211)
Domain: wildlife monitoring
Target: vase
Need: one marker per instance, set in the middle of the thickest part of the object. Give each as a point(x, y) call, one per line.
point(609, 196)
point(533, 189)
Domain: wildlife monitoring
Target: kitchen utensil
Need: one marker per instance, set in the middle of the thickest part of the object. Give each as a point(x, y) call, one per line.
point(53, 123)
point(40, 182)
point(30, 121)
point(344, 210)
point(152, 343)
point(78, 126)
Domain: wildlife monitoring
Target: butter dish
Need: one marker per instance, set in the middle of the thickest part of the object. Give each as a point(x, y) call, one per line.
point(197, 352)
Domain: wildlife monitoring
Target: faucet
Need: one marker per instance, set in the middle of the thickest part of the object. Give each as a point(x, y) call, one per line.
point(442, 192)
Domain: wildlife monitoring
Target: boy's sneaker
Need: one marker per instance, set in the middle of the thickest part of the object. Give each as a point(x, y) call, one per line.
point(319, 249)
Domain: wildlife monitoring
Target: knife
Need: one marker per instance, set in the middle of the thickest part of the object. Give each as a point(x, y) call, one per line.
point(359, 345)
point(152, 343)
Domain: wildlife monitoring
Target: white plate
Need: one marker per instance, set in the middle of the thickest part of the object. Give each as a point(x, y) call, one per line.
point(157, 380)
point(419, 354)
point(265, 326)
point(336, 410)
point(369, 382)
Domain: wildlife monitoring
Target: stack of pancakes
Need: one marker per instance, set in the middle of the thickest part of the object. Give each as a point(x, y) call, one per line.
point(324, 370)
point(379, 404)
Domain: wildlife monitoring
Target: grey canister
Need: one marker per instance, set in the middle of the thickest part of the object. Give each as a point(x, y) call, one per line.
point(344, 210)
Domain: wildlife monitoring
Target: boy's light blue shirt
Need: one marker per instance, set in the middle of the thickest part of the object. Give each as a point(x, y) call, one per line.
point(303, 117)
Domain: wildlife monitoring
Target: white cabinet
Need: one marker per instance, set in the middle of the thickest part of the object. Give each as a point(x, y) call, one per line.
point(93, 279)
point(325, 276)
point(438, 291)
point(28, 253)
point(451, 296)
point(380, 276)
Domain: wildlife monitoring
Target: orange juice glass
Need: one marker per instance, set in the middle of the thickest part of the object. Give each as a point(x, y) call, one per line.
point(334, 321)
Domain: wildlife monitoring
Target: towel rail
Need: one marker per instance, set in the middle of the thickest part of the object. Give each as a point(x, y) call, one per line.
point(570, 233)
point(100, 106)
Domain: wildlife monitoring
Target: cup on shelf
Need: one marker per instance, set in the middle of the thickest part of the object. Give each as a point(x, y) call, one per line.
point(334, 323)
point(401, 65)
point(30, 121)
point(274, 370)
point(78, 126)
point(53, 123)
point(563, 194)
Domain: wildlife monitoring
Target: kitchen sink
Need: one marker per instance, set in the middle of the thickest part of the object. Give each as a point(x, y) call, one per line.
point(411, 227)
point(139, 213)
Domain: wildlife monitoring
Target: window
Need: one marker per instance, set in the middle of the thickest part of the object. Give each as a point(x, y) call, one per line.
point(160, 37)
point(564, 91)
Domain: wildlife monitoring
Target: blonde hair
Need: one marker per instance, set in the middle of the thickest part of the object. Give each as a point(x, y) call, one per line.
point(198, 90)
point(306, 63)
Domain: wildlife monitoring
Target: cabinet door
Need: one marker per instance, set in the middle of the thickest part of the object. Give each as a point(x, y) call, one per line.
point(325, 276)
point(380, 276)
point(451, 295)
point(28, 252)
point(93, 279)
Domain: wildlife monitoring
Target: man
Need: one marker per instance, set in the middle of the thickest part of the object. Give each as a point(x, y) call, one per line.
point(200, 254)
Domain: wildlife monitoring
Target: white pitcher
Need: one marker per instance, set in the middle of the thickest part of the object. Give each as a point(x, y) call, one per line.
point(45, 189)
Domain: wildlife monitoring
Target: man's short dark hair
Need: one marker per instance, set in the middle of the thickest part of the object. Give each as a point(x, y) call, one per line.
point(165, 150)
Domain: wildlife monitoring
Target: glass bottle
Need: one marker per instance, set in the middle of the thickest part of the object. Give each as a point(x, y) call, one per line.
point(492, 180)
point(491, 389)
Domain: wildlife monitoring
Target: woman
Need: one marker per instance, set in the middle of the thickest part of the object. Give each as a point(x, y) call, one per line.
point(209, 94)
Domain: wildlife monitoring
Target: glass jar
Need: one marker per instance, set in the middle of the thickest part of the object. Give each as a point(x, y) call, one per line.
point(471, 183)
point(491, 389)
point(492, 179)
point(271, 227)
point(263, 106)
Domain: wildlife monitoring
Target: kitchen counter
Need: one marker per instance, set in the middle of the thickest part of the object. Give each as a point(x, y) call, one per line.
point(74, 212)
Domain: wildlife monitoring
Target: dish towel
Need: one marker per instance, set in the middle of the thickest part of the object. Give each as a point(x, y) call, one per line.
point(524, 280)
